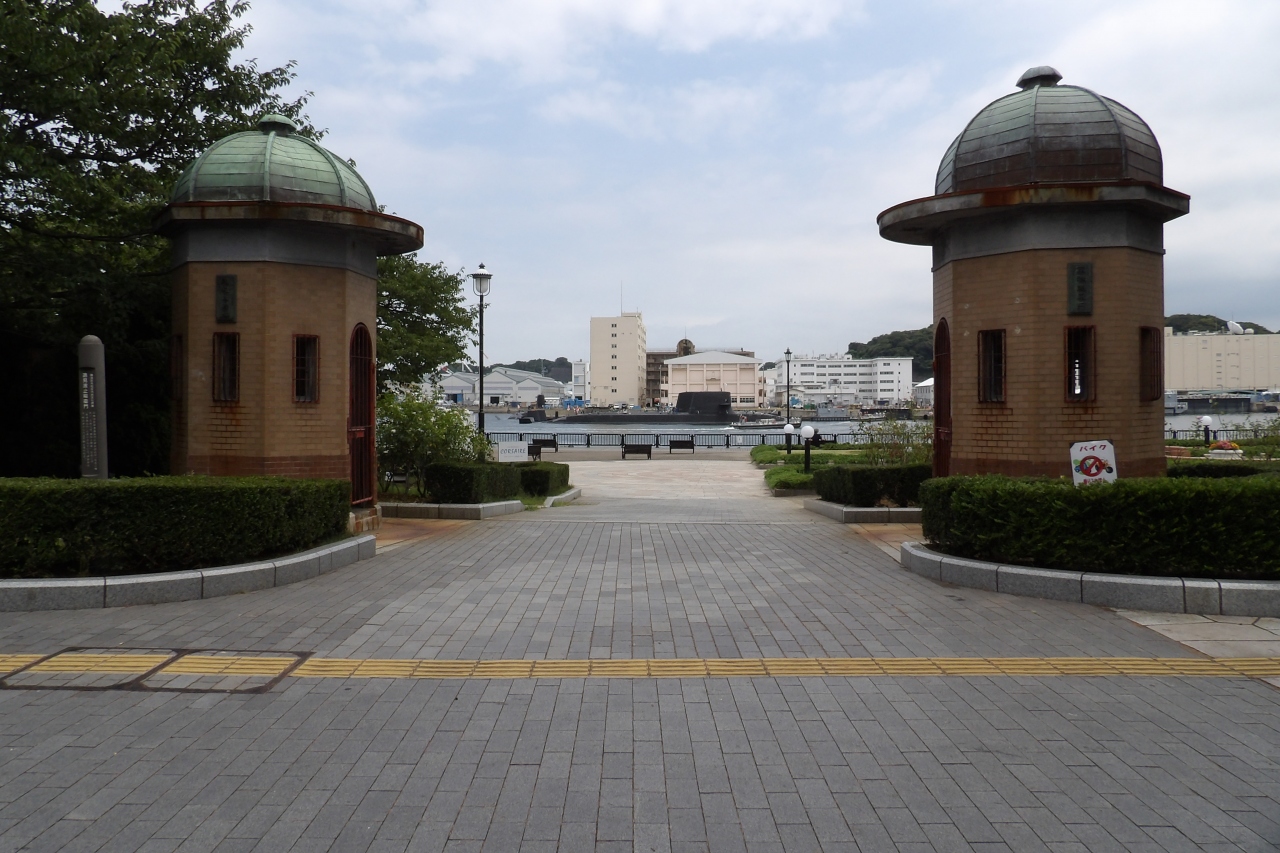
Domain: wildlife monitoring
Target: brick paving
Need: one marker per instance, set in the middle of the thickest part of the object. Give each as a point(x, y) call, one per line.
point(649, 764)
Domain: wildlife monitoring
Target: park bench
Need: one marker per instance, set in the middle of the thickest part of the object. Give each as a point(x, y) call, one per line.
point(535, 451)
point(541, 443)
point(680, 444)
point(637, 449)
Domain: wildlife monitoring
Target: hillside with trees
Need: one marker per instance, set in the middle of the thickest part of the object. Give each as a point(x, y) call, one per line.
point(916, 344)
point(1182, 323)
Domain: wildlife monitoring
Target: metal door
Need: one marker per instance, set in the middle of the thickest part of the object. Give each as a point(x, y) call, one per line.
point(942, 400)
point(360, 417)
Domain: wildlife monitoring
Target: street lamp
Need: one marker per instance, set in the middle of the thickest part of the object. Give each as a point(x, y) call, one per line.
point(788, 430)
point(480, 284)
point(806, 432)
point(787, 356)
point(1205, 421)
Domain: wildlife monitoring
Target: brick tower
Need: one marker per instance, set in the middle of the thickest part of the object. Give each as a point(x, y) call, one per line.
point(1047, 228)
point(275, 244)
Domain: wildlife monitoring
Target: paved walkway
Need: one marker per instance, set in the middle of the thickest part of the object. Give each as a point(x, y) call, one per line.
point(436, 744)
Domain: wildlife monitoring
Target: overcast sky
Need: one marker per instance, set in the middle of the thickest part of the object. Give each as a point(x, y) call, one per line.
point(719, 164)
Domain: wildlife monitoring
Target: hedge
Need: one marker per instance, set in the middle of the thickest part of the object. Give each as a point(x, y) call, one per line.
point(1214, 470)
point(871, 485)
point(82, 528)
point(543, 478)
point(788, 477)
point(1185, 526)
point(470, 482)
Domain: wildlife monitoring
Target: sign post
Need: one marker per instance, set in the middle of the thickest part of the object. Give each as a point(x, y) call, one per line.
point(1093, 462)
point(93, 409)
point(512, 451)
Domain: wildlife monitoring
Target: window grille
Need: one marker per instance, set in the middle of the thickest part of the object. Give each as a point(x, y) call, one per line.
point(991, 360)
point(226, 367)
point(1080, 372)
point(306, 368)
point(1151, 364)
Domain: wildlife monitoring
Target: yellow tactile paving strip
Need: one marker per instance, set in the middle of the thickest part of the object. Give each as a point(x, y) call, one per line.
point(232, 664)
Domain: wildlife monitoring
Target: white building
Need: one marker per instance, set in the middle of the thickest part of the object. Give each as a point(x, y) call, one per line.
point(923, 394)
point(582, 380)
point(507, 385)
point(1221, 362)
point(715, 371)
point(458, 387)
point(617, 360)
point(841, 380)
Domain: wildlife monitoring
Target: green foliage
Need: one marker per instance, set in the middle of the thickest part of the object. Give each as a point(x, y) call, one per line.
point(415, 431)
point(894, 442)
point(788, 477)
point(101, 110)
point(1205, 323)
point(1187, 526)
point(1219, 469)
point(78, 528)
point(916, 344)
point(830, 454)
point(470, 482)
point(423, 319)
point(897, 485)
point(543, 478)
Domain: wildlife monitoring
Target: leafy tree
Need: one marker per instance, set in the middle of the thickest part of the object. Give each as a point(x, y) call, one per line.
point(423, 320)
point(916, 344)
point(414, 431)
point(99, 112)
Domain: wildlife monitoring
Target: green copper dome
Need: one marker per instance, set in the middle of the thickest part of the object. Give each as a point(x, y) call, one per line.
point(273, 164)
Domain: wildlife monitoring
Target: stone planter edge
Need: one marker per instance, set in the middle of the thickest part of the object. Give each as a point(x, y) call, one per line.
point(1202, 596)
point(20, 595)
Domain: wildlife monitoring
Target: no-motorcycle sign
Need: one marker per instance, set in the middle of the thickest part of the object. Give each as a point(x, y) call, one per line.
point(1093, 462)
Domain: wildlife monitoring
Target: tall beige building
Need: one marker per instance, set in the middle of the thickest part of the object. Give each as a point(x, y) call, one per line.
point(618, 359)
point(1221, 362)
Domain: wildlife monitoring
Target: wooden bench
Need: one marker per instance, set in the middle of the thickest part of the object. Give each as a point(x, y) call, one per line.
point(535, 451)
point(675, 444)
point(541, 443)
point(637, 449)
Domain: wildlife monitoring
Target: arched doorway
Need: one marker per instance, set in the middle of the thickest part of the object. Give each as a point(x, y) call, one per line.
point(360, 417)
point(942, 400)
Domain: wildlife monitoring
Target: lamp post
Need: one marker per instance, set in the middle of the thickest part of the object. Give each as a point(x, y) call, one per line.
point(480, 284)
point(787, 356)
point(806, 432)
point(788, 431)
point(1205, 421)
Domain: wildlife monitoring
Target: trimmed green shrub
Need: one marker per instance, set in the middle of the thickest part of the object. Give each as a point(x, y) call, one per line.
point(82, 528)
point(543, 478)
point(788, 477)
point(870, 485)
point(470, 482)
point(1213, 470)
point(1186, 526)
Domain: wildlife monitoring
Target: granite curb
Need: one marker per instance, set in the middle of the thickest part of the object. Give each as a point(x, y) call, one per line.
point(127, 590)
point(1203, 596)
point(473, 512)
point(864, 514)
point(564, 497)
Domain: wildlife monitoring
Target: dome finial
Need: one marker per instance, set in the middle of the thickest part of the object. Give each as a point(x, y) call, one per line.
point(282, 125)
point(1041, 75)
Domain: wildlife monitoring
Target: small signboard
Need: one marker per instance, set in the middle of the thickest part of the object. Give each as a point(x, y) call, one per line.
point(512, 451)
point(1093, 462)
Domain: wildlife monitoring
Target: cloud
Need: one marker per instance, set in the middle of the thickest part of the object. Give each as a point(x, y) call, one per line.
point(871, 101)
point(553, 39)
point(690, 112)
